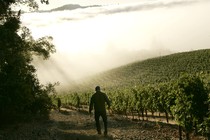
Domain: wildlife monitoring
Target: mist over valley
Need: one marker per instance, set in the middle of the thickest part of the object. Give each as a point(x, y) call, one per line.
point(98, 38)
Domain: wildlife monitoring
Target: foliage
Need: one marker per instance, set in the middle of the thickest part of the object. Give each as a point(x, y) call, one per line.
point(191, 106)
point(20, 90)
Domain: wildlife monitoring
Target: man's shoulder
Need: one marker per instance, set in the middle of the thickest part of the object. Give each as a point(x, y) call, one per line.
point(99, 94)
point(93, 95)
point(102, 93)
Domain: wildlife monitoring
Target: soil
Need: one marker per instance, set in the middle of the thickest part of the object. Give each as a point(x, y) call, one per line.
point(73, 125)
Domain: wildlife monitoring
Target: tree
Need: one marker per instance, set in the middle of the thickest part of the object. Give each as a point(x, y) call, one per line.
point(141, 99)
point(191, 106)
point(20, 90)
point(165, 99)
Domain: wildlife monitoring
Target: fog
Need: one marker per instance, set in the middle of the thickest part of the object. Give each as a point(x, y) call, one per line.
point(96, 39)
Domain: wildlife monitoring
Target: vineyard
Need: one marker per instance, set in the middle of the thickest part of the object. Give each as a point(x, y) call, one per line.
point(175, 85)
point(150, 71)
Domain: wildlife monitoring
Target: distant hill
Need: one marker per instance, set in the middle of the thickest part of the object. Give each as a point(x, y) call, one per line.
point(70, 7)
point(150, 71)
point(67, 7)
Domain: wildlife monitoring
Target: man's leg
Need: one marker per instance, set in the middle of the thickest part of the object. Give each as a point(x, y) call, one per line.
point(104, 117)
point(98, 127)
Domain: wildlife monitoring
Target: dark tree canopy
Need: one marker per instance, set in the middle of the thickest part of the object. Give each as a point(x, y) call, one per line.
point(20, 90)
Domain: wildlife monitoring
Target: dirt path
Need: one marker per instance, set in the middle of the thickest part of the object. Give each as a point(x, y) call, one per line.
point(73, 125)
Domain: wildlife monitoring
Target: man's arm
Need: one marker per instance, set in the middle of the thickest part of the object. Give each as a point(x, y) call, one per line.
point(107, 101)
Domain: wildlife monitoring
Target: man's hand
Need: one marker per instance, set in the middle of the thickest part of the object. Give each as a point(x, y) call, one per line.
point(110, 111)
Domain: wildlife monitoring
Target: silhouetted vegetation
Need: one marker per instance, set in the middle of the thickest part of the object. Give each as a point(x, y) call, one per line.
point(21, 94)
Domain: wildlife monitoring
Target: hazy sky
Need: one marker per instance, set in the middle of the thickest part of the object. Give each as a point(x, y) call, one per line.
point(95, 39)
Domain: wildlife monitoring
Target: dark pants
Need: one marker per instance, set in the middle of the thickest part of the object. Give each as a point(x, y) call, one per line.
point(104, 117)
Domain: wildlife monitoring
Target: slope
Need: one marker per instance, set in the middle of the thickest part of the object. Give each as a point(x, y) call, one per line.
point(150, 71)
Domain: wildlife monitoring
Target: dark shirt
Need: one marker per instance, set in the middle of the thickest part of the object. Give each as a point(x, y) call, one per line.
point(98, 100)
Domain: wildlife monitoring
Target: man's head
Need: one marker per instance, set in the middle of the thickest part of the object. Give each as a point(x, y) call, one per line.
point(97, 88)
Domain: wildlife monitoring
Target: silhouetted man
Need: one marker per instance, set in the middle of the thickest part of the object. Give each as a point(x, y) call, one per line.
point(98, 100)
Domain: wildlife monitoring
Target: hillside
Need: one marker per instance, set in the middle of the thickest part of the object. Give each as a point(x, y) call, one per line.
point(72, 7)
point(154, 70)
point(69, 7)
